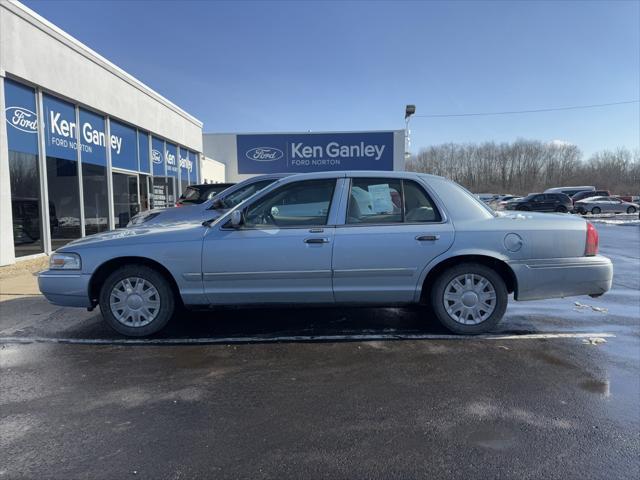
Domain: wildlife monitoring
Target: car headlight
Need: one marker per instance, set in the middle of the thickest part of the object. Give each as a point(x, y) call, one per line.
point(65, 261)
point(140, 219)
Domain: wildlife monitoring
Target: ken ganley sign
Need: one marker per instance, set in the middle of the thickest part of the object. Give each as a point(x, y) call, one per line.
point(311, 152)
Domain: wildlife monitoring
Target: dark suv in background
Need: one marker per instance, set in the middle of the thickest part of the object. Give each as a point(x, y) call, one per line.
point(197, 194)
point(542, 202)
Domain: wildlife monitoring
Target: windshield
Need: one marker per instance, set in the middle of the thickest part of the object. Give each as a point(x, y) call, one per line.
point(242, 194)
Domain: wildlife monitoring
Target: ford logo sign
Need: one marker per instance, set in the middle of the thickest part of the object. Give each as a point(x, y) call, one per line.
point(22, 119)
point(156, 156)
point(264, 154)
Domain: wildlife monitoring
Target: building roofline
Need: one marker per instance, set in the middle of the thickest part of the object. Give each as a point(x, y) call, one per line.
point(305, 133)
point(57, 33)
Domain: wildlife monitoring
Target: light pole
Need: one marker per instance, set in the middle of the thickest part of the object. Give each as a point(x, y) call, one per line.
point(408, 111)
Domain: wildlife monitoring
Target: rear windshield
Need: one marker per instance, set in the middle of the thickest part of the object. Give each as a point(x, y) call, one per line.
point(197, 195)
point(462, 204)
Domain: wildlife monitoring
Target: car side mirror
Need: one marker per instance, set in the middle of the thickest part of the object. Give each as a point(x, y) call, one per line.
point(217, 204)
point(236, 219)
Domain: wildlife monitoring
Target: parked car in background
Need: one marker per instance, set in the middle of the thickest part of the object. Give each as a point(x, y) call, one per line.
point(335, 238)
point(588, 194)
point(542, 202)
point(197, 194)
point(597, 205)
point(502, 200)
point(212, 208)
point(487, 197)
point(570, 191)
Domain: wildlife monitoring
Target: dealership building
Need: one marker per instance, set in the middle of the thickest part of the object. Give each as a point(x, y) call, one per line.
point(84, 145)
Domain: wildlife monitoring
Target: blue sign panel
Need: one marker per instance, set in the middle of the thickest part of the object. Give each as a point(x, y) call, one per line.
point(195, 178)
point(93, 142)
point(21, 117)
point(143, 152)
point(124, 150)
point(157, 157)
point(60, 131)
point(186, 166)
point(312, 152)
point(171, 159)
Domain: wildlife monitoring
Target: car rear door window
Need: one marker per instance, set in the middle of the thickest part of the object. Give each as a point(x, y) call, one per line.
point(389, 200)
point(299, 204)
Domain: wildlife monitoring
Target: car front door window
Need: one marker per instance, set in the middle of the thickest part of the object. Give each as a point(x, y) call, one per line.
point(295, 205)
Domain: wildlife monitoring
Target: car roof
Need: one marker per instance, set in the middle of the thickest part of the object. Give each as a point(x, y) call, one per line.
point(359, 174)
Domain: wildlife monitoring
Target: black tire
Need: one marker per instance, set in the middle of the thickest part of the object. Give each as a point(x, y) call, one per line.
point(438, 291)
point(523, 209)
point(631, 210)
point(596, 210)
point(561, 209)
point(157, 280)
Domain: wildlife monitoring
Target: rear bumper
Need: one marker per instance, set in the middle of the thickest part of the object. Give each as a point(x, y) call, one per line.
point(65, 288)
point(562, 277)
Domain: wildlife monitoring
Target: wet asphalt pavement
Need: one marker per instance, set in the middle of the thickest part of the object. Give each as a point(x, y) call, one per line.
point(328, 393)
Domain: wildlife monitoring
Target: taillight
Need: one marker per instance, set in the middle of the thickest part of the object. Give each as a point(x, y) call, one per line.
point(591, 247)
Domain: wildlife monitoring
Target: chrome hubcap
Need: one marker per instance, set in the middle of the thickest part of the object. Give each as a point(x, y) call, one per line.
point(469, 299)
point(134, 302)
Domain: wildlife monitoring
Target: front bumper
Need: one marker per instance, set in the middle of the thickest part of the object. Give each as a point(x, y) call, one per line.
point(562, 277)
point(68, 289)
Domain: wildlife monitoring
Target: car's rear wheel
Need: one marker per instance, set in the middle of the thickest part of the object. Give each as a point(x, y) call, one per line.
point(524, 209)
point(469, 298)
point(561, 209)
point(631, 210)
point(136, 301)
point(596, 210)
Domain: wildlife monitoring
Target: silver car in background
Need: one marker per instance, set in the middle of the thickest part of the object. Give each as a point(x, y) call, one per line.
point(212, 208)
point(335, 238)
point(597, 205)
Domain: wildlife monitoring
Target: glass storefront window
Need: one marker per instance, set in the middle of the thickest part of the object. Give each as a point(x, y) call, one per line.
point(24, 174)
point(125, 198)
point(185, 170)
point(124, 148)
point(143, 152)
point(93, 153)
point(145, 199)
point(171, 159)
point(62, 171)
point(25, 203)
point(195, 178)
point(159, 192)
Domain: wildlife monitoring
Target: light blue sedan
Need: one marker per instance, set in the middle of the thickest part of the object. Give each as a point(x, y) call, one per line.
point(337, 238)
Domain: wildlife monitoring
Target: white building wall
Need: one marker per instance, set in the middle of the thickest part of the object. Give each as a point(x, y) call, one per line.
point(213, 171)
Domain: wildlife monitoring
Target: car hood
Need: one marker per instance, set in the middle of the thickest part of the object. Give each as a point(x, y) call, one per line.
point(140, 234)
point(178, 215)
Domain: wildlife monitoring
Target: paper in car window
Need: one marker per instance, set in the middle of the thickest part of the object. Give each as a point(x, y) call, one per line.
point(381, 198)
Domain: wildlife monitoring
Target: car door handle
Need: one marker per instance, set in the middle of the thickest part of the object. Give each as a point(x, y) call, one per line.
point(427, 238)
point(316, 240)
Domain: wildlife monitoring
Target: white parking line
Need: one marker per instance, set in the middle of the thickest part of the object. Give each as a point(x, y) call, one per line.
point(296, 338)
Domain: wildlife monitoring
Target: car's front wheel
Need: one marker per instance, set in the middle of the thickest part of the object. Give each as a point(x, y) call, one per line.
point(561, 209)
point(469, 298)
point(136, 300)
point(631, 210)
